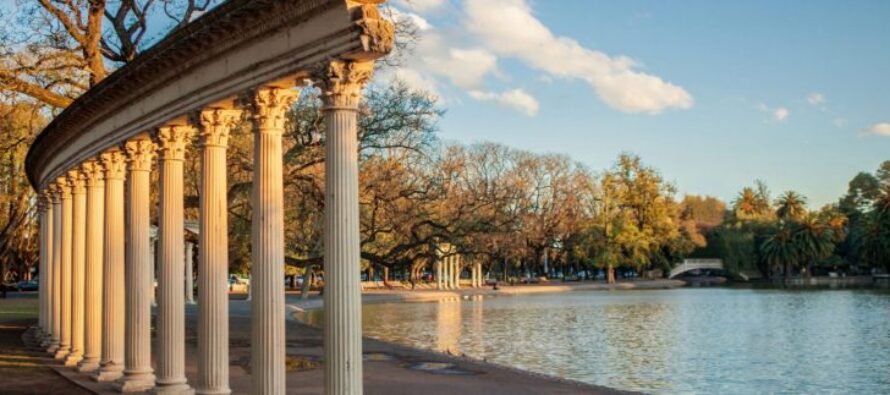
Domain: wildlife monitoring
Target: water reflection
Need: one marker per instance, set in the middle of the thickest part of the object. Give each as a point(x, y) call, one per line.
point(671, 341)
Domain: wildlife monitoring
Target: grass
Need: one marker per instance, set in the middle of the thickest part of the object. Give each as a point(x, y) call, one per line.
point(15, 308)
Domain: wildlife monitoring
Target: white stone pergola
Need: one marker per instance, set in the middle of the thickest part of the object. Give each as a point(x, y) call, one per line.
point(92, 168)
point(449, 266)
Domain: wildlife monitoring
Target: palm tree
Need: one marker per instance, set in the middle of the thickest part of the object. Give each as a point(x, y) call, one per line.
point(780, 250)
point(791, 206)
point(814, 240)
point(745, 205)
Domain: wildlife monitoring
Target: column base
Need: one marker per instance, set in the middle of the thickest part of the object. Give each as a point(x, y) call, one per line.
point(73, 359)
point(136, 382)
point(88, 365)
point(107, 375)
point(61, 353)
point(174, 389)
point(213, 391)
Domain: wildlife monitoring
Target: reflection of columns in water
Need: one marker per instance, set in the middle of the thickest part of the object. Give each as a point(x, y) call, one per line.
point(448, 328)
point(476, 327)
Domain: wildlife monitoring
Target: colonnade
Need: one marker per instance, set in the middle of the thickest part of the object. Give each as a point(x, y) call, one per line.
point(96, 293)
point(449, 268)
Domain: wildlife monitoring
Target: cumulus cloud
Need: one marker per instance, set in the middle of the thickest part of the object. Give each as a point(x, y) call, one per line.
point(509, 28)
point(516, 99)
point(882, 129)
point(421, 5)
point(781, 114)
point(816, 99)
point(465, 68)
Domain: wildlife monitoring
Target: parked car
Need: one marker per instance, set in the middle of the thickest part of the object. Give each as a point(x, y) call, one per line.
point(29, 285)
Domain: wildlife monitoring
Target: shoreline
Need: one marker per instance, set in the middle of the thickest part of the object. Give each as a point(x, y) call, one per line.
point(382, 295)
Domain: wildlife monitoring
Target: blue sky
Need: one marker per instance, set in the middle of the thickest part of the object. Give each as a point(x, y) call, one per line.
point(713, 94)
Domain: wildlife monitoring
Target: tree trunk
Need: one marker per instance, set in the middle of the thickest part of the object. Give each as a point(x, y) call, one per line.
point(610, 274)
point(307, 282)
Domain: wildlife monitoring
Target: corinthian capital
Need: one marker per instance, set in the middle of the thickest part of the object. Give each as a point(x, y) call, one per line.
point(341, 83)
point(55, 191)
point(268, 108)
point(140, 152)
point(214, 126)
point(77, 181)
point(114, 162)
point(93, 173)
point(171, 141)
point(44, 200)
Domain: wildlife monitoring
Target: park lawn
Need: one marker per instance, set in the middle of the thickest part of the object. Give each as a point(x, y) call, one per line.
point(18, 308)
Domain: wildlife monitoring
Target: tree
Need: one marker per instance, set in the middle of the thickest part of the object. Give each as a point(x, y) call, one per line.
point(791, 206)
point(61, 48)
point(781, 251)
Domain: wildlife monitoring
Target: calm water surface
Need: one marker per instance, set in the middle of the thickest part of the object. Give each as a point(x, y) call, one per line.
point(691, 340)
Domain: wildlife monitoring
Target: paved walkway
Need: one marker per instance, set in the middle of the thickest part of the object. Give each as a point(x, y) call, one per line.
point(23, 371)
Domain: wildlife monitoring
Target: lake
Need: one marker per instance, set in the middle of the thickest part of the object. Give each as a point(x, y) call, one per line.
point(687, 340)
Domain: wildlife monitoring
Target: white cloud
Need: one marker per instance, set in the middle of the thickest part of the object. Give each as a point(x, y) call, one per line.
point(882, 129)
point(781, 114)
point(516, 99)
point(416, 80)
point(816, 99)
point(418, 21)
point(508, 28)
point(465, 68)
point(839, 122)
point(422, 5)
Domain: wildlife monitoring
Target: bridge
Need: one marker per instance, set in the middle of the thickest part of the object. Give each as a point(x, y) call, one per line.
point(696, 264)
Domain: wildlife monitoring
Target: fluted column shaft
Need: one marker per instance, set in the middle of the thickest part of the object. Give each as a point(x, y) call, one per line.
point(341, 84)
point(138, 373)
point(45, 266)
point(213, 260)
point(189, 275)
point(78, 255)
point(112, 360)
point(65, 252)
point(58, 214)
point(171, 141)
point(269, 106)
point(95, 215)
point(439, 274)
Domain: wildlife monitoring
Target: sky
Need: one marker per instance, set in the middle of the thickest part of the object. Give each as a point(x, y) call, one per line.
point(714, 94)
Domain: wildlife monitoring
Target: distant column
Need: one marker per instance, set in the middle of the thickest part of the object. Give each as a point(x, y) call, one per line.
point(479, 276)
point(112, 361)
point(45, 208)
point(171, 141)
point(341, 83)
point(95, 223)
point(55, 336)
point(438, 273)
point(189, 275)
point(213, 260)
point(78, 255)
point(138, 373)
point(268, 109)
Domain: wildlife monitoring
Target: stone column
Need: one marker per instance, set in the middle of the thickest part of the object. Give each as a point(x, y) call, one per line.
point(189, 276)
point(65, 277)
point(55, 336)
point(439, 273)
point(268, 109)
point(78, 257)
point(341, 84)
point(44, 206)
point(138, 373)
point(95, 221)
point(213, 260)
point(112, 361)
point(479, 282)
point(171, 141)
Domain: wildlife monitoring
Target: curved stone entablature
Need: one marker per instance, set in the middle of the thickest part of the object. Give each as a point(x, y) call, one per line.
point(238, 46)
